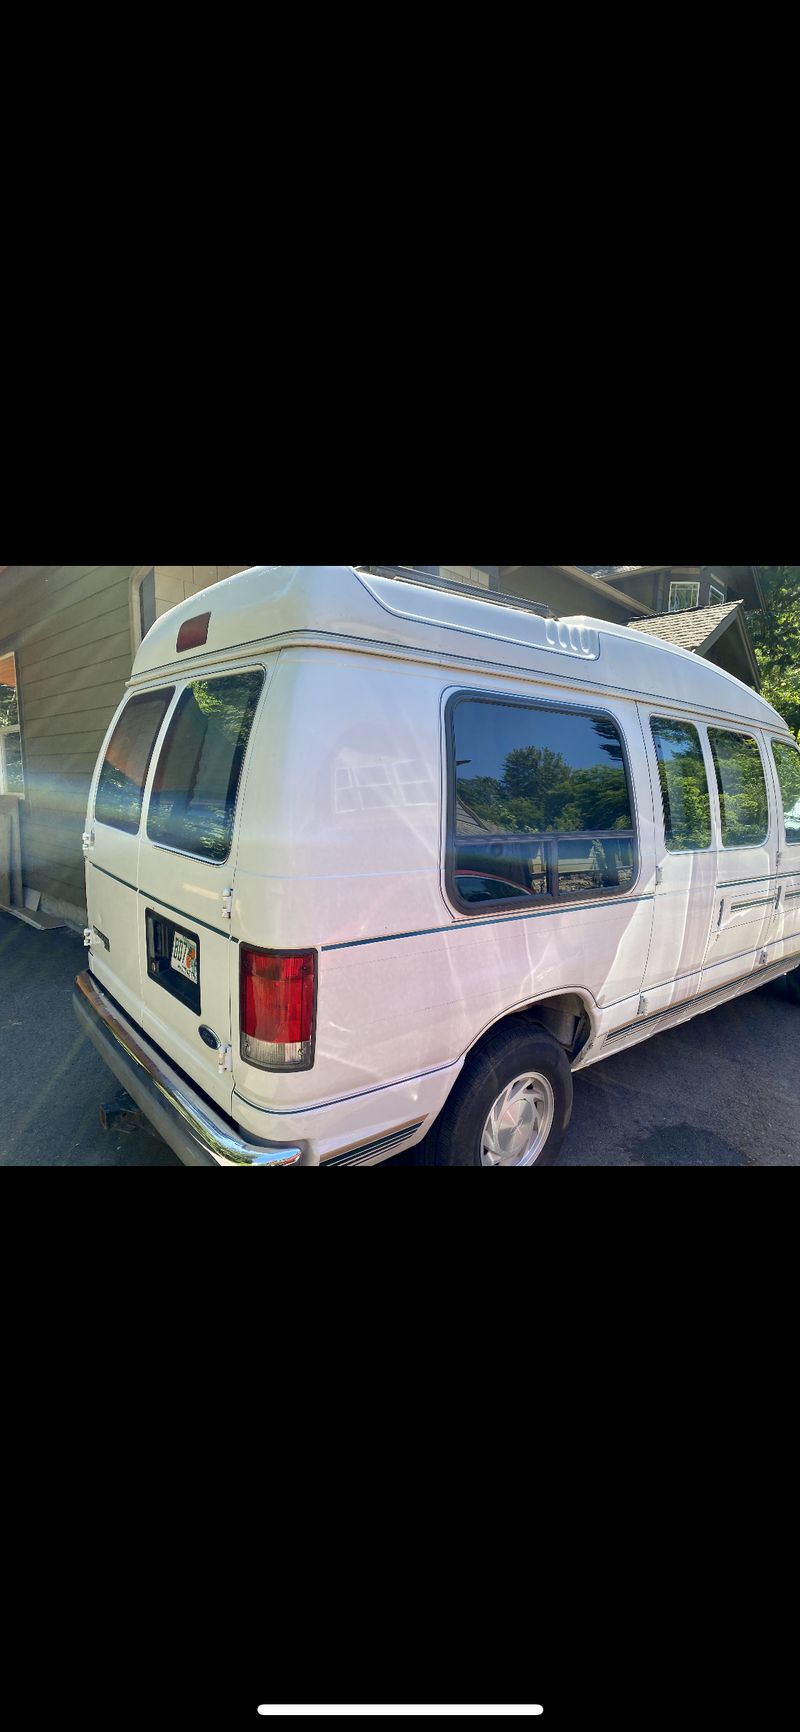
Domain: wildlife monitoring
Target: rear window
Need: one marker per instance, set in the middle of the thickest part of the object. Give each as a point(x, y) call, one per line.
point(121, 787)
point(193, 803)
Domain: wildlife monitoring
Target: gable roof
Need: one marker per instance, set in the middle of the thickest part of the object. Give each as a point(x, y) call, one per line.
point(743, 577)
point(699, 628)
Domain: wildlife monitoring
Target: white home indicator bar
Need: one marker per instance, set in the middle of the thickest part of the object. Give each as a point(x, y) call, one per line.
point(403, 1708)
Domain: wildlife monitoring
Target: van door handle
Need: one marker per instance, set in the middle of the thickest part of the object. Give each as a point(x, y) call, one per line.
point(778, 899)
point(721, 912)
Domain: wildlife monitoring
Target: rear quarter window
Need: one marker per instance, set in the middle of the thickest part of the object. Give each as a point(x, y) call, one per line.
point(120, 790)
point(541, 805)
point(193, 803)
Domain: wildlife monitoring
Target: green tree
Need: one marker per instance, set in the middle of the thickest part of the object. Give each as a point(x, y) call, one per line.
point(776, 635)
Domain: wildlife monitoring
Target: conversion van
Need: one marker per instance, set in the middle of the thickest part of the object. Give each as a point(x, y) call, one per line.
point(373, 864)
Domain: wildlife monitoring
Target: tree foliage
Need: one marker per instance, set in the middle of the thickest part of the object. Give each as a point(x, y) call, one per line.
point(776, 635)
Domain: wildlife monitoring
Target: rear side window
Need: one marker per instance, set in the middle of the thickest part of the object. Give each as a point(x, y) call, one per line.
point(542, 808)
point(684, 785)
point(787, 760)
point(193, 803)
point(121, 787)
point(744, 806)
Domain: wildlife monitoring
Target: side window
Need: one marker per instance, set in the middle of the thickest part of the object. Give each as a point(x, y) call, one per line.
point(542, 805)
point(118, 801)
point(193, 803)
point(787, 760)
point(684, 785)
point(744, 806)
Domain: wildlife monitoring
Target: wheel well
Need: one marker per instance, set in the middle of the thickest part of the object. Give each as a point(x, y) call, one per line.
point(565, 1017)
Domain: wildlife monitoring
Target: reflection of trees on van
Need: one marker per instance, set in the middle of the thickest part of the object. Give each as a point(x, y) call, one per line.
point(539, 792)
point(194, 795)
point(555, 818)
point(742, 789)
point(127, 760)
point(684, 785)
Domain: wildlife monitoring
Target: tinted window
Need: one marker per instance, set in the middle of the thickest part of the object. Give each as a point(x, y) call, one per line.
point(501, 871)
point(787, 759)
point(684, 785)
point(193, 802)
point(595, 864)
point(527, 780)
point(127, 761)
point(743, 799)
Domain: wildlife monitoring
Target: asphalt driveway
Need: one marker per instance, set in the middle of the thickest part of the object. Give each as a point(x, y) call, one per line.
point(722, 1092)
point(52, 1082)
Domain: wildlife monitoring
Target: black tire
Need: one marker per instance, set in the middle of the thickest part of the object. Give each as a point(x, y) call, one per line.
point(511, 1051)
point(793, 983)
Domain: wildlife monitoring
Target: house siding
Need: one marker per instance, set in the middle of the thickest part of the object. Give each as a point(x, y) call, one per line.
point(566, 596)
point(69, 628)
point(74, 632)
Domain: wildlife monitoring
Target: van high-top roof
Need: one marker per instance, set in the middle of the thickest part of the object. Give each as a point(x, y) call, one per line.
point(274, 606)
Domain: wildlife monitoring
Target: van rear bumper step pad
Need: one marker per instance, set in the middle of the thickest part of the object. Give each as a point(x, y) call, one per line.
point(199, 1136)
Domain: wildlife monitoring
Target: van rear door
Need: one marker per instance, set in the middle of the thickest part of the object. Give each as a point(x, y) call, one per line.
point(186, 876)
point(111, 844)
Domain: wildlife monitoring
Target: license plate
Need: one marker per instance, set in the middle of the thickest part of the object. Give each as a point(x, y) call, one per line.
point(184, 957)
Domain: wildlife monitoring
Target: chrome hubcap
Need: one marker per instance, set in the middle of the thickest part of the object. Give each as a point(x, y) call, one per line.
point(519, 1123)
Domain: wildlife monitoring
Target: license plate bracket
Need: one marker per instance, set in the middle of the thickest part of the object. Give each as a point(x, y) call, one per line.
point(173, 959)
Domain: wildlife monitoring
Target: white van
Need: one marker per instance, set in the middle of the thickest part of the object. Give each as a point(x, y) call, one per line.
point(369, 860)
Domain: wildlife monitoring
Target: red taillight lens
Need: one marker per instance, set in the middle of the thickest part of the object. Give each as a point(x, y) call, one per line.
point(277, 1008)
point(194, 632)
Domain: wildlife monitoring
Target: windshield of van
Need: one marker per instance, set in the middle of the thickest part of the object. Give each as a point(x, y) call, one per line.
point(193, 803)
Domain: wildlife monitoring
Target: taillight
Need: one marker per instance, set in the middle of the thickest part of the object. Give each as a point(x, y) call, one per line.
point(277, 1010)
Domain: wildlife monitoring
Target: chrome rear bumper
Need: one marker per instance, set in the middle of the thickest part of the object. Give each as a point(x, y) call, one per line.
point(199, 1135)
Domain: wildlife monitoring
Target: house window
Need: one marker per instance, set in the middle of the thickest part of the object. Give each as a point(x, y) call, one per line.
point(11, 771)
point(683, 595)
point(716, 594)
point(147, 603)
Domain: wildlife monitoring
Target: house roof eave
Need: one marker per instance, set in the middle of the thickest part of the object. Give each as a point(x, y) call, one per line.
point(596, 584)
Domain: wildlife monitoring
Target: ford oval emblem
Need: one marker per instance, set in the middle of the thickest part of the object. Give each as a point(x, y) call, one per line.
point(212, 1040)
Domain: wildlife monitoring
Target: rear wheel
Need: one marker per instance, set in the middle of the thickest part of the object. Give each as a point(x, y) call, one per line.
point(510, 1107)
